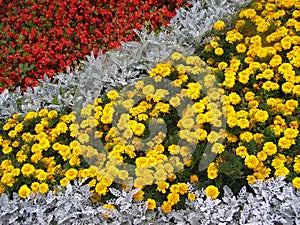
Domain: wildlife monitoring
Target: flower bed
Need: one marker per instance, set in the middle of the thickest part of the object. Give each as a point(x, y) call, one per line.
point(182, 143)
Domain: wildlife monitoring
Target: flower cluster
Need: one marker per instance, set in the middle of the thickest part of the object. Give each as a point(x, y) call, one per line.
point(257, 64)
point(121, 137)
point(44, 37)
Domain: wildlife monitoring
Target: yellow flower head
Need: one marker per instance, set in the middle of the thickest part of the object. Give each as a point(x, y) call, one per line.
point(24, 191)
point(212, 191)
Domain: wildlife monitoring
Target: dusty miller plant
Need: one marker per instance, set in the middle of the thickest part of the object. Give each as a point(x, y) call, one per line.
point(267, 203)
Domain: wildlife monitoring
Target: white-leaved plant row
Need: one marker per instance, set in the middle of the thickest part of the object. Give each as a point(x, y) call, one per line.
point(271, 202)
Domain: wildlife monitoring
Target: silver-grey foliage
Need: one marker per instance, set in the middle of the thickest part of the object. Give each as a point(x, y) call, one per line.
point(119, 68)
point(271, 202)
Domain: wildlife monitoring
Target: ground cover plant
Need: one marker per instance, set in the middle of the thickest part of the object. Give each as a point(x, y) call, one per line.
point(45, 37)
point(187, 144)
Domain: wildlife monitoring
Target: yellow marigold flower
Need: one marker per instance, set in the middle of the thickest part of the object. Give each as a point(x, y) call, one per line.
point(71, 174)
point(166, 207)
point(43, 188)
point(270, 148)
point(262, 156)
point(241, 151)
point(212, 192)
point(7, 149)
point(83, 138)
point(246, 136)
point(241, 48)
point(52, 114)
point(234, 98)
point(148, 90)
point(112, 95)
point(19, 127)
point(212, 173)
point(291, 133)
point(177, 56)
point(219, 25)
point(35, 186)
point(243, 123)
point(183, 188)
point(261, 116)
point(213, 137)
point(251, 179)
point(251, 161)
point(194, 179)
point(175, 101)
point(64, 182)
point(297, 167)
point(277, 163)
point(219, 51)
point(138, 129)
point(162, 186)
point(296, 182)
point(24, 191)
point(191, 196)
point(282, 171)
point(139, 195)
point(173, 198)
point(151, 204)
point(222, 65)
point(217, 148)
point(27, 169)
point(285, 142)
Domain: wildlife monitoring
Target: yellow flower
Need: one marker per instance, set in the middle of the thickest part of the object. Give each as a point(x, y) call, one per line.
point(191, 196)
point(246, 136)
point(282, 171)
point(212, 192)
point(296, 182)
point(162, 186)
point(151, 204)
point(27, 169)
point(194, 179)
point(24, 191)
point(251, 179)
point(138, 129)
point(234, 98)
point(183, 188)
point(35, 186)
point(262, 156)
point(212, 174)
point(173, 198)
point(270, 148)
point(241, 48)
point(166, 207)
point(285, 142)
point(64, 182)
point(243, 123)
point(219, 51)
point(7, 149)
point(218, 148)
point(213, 137)
point(71, 174)
point(52, 114)
point(241, 151)
point(219, 25)
point(176, 56)
point(43, 188)
point(251, 161)
point(175, 101)
point(112, 95)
